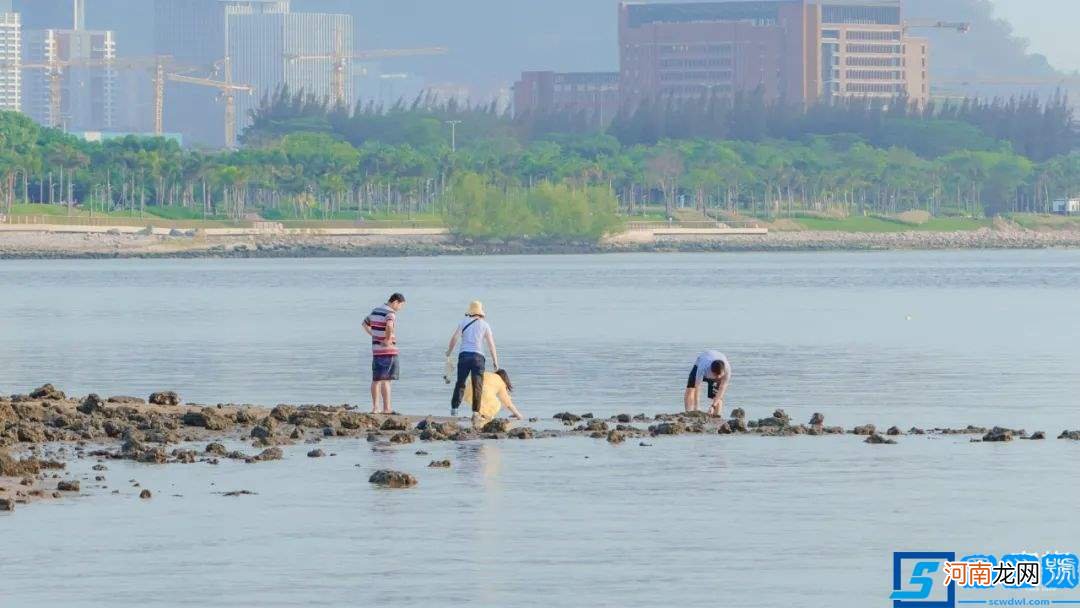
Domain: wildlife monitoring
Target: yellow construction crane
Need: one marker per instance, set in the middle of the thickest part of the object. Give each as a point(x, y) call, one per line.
point(339, 62)
point(960, 26)
point(227, 89)
point(55, 71)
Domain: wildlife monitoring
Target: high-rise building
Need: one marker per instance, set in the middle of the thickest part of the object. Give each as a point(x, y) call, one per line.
point(865, 51)
point(84, 97)
point(306, 52)
point(792, 50)
point(10, 58)
point(594, 93)
point(689, 50)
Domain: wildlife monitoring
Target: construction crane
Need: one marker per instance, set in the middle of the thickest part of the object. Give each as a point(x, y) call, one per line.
point(961, 27)
point(339, 62)
point(55, 71)
point(227, 90)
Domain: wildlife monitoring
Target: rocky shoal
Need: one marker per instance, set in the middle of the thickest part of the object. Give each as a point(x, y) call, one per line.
point(50, 429)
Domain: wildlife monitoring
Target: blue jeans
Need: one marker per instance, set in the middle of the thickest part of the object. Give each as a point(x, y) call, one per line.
point(469, 364)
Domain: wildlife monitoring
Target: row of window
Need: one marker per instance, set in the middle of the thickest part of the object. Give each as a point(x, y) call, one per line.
point(875, 75)
point(893, 49)
point(696, 89)
point(704, 49)
point(862, 87)
point(696, 63)
point(713, 75)
point(875, 62)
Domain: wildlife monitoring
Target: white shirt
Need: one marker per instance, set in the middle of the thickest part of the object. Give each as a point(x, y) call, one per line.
point(473, 330)
point(704, 365)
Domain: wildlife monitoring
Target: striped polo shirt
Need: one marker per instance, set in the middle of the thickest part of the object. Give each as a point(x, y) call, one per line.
point(377, 321)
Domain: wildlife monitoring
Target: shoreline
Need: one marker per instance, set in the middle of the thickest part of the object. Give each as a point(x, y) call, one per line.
point(43, 245)
point(45, 430)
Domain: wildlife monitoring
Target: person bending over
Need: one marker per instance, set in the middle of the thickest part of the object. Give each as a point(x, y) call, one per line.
point(712, 368)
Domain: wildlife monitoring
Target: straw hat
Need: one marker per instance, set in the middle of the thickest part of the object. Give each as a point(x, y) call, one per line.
point(476, 309)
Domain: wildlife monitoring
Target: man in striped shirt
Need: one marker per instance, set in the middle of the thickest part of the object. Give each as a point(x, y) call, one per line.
point(381, 325)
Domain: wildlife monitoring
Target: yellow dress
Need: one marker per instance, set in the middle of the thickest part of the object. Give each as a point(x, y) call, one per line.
point(495, 394)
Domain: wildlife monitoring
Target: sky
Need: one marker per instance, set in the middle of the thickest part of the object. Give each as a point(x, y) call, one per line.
point(1054, 37)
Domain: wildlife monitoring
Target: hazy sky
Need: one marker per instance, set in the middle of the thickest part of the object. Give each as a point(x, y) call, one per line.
point(1054, 37)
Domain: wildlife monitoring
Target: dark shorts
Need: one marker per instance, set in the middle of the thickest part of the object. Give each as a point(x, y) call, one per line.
point(691, 382)
point(384, 367)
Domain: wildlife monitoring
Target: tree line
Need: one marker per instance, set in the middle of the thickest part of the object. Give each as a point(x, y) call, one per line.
point(304, 159)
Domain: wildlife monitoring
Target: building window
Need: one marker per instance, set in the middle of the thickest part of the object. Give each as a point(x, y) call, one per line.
point(890, 49)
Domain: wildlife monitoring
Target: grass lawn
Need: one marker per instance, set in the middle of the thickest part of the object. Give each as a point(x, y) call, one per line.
point(1033, 221)
point(874, 224)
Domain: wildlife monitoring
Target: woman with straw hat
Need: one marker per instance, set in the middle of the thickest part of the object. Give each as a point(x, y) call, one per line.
point(473, 333)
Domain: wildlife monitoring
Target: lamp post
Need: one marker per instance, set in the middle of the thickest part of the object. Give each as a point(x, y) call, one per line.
point(453, 134)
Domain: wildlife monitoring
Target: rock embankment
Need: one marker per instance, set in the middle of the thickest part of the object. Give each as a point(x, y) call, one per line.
point(35, 245)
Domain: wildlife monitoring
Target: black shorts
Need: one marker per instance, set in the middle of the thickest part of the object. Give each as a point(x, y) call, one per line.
point(384, 367)
point(691, 382)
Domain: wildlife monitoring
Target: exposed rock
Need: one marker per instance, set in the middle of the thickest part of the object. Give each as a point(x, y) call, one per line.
point(264, 430)
point(595, 426)
point(207, 419)
point(567, 417)
point(146, 494)
point(724, 428)
point(164, 398)
point(100, 467)
point(623, 418)
point(616, 437)
point(7, 504)
point(153, 456)
point(239, 493)
point(818, 419)
point(867, 429)
point(439, 464)
point(916, 431)
point(126, 400)
point(268, 454)
point(1072, 435)
point(47, 392)
point(395, 424)
point(521, 433)
point(9, 467)
point(894, 431)
point(589, 415)
point(998, 434)
point(668, 428)
point(92, 404)
point(738, 425)
point(282, 413)
point(401, 438)
point(355, 421)
point(216, 449)
point(1037, 436)
point(877, 439)
point(498, 425)
point(738, 413)
point(30, 433)
point(392, 479)
point(68, 486)
point(316, 454)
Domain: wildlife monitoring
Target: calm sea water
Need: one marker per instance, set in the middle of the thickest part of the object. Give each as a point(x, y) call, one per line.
point(926, 339)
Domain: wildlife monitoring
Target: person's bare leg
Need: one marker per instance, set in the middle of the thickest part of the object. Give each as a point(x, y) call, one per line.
point(387, 408)
point(690, 399)
point(374, 397)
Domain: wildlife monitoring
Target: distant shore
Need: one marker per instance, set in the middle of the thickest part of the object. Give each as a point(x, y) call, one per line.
point(42, 245)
